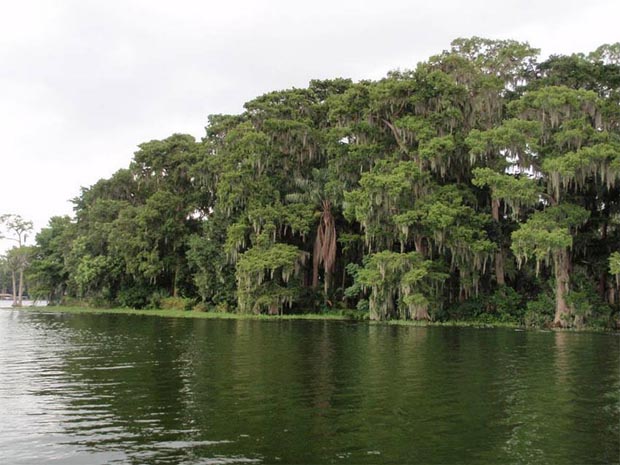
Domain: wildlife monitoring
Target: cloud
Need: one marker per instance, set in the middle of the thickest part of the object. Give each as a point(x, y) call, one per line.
point(82, 82)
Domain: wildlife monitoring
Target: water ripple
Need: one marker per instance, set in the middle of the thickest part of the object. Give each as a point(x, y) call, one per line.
point(95, 389)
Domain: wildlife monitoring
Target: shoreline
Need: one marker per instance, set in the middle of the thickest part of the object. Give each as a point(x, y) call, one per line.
point(169, 313)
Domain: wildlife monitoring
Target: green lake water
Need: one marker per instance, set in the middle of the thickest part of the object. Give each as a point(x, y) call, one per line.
point(122, 389)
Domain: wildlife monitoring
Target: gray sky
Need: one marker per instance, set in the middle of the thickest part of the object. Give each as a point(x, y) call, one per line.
point(82, 82)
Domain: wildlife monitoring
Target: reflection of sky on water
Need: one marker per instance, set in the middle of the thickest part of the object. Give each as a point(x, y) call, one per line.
point(82, 389)
point(65, 388)
point(8, 303)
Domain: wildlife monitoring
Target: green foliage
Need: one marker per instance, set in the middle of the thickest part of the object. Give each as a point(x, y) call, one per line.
point(360, 314)
point(507, 305)
point(136, 297)
point(213, 274)
point(419, 185)
point(388, 190)
point(15, 228)
point(504, 306)
point(263, 275)
point(614, 265)
point(200, 307)
point(515, 192)
point(547, 232)
point(400, 285)
point(588, 306)
point(553, 104)
point(177, 303)
point(48, 274)
point(539, 312)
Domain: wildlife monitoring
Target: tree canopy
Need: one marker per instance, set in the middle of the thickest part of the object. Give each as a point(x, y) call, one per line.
point(440, 192)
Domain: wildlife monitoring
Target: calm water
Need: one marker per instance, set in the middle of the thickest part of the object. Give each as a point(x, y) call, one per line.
point(99, 389)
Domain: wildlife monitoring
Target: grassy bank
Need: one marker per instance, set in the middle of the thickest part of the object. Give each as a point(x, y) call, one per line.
point(455, 323)
point(345, 316)
point(170, 313)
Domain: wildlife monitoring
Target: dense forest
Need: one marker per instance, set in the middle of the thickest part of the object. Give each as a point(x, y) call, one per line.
point(482, 185)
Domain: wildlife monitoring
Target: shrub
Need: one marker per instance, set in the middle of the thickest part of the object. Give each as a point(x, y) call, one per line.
point(176, 303)
point(201, 307)
point(351, 314)
point(223, 307)
point(363, 306)
point(155, 299)
point(507, 305)
point(587, 304)
point(134, 297)
point(467, 310)
point(539, 313)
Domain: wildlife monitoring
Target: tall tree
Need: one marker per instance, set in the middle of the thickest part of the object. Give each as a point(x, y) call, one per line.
point(49, 274)
point(575, 155)
point(18, 260)
point(15, 228)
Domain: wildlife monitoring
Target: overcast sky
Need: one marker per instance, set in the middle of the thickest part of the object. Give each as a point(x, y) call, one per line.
point(83, 82)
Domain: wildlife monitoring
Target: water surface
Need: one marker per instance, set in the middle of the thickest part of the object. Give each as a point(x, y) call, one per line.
point(99, 389)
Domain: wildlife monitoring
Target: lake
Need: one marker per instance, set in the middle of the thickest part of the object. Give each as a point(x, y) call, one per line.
point(124, 389)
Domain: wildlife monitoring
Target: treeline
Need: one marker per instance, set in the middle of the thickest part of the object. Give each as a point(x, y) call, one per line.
point(483, 184)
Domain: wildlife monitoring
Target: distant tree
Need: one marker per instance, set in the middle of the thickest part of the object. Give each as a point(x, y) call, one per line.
point(16, 229)
point(18, 259)
point(5, 276)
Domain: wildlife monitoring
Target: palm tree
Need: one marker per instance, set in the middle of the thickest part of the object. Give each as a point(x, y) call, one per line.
point(324, 251)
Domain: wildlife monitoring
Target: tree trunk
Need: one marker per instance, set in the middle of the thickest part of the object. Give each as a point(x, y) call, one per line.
point(499, 255)
point(327, 283)
point(499, 268)
point(175, 289)
point(418, 242)
point(316, 259)
point(602, 285)
point(397, 135)
point(562, 278)
point(602, 281)
point(14, 288)
point(421, 313)
point(324, 248)
point(495, 209)
point(21, 287)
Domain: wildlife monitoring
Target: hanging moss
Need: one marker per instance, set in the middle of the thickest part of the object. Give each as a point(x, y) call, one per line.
point(400, 285)
point(264, 276)
point(515, 192)
point(614, 266)
point(413, 162)
point(573, 169)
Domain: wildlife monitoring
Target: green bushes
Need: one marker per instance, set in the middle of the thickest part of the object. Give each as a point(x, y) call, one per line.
point(504, 306)
point(201, 307)
point(414, 185)
point(176, 303)
point(539, 312)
